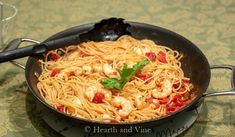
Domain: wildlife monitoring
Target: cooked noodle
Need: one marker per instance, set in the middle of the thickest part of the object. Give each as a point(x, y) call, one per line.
point(71, 81)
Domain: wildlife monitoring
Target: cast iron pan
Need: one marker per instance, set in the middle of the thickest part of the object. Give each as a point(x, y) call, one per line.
point(194, 63)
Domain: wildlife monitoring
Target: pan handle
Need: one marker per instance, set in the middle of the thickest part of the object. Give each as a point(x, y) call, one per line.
point(14, 44)
point(229, 92)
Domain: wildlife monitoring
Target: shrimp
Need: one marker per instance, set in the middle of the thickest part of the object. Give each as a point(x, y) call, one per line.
point(107, 94)
point(87, 69)
point(66, 71)
point(97, 67)
point(106, 118)
point(130, 64)
point(139, 102)
point(166, 90)
point(145, 50)
point(77, 70)
point(77, 101)
point(140, 51)
point(125, 104)
point(109, 118)
point(91, 91)
point(153, 103)
point(73, 55)
point(109, 71)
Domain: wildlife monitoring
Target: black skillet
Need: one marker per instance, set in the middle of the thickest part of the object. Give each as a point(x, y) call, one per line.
point(194, 63)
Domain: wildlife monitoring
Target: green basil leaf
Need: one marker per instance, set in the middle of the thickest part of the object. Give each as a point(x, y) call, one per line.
point(126, 74)
point(140, 65)
point(112, 83)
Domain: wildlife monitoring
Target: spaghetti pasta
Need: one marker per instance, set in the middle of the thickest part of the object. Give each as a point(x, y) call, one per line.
point(72, 80)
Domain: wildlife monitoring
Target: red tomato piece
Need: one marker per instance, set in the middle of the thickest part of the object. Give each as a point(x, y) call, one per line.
point(144, 76)
point(149, 100)
point(71, 73)
point(177, 101)
point(114, 73)
point(158, 84)
point(151, 55)
point(113, 121)
point(182, 89)
point(98, 98)
point(119, 107)
point(170, 109)
point(188, 102)
point(176, 97)
point(157, 105)
point(164, 100)
point(133, 78)
point(55, 72)
point(60, 108)
point(186, 95)
point(54, 57)
point(186, 81)
point(161, 56)
point(176, 85)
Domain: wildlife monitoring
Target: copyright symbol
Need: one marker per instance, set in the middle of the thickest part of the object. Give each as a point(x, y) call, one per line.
point(87, 129)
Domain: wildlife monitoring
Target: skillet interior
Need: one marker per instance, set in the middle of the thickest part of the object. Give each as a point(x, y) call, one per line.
point(194, 65)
